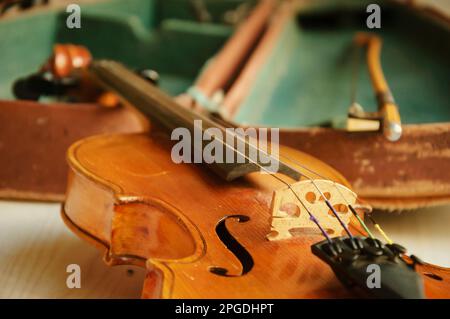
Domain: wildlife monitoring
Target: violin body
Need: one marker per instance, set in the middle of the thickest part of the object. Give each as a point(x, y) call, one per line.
point(126, 196)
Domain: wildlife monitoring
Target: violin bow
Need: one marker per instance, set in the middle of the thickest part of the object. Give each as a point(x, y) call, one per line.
point(388, 114)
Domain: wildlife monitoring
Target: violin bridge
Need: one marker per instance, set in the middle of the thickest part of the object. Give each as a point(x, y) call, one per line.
point(290, 217)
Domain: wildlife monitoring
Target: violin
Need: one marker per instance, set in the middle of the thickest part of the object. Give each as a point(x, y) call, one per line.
point(226, 230)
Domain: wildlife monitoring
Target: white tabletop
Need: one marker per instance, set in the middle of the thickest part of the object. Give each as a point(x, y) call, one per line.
point(35, 249)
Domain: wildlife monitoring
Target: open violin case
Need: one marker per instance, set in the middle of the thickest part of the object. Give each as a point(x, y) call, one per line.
point(173, 37)
point(295, 74)
point(298, 77)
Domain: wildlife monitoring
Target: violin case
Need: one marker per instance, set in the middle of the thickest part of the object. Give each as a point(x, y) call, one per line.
point(174, 37)
point(298, 78)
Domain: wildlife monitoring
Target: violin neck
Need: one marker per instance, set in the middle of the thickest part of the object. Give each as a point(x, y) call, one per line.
point(161, 107)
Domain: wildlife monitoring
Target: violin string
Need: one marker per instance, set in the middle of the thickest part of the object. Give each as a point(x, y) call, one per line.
point(327, 202)
point(311, 215)
point(380, 230)
point(325, 178)
point(181, 114)
point(355, 72)
point(361, 222)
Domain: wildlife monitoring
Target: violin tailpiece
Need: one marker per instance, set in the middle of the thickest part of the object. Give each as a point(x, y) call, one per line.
point(290, 217)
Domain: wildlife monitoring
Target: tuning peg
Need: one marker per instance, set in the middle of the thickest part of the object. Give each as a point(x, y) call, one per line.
point(415, 261)
point(374, 242)
point(38, 84)
point(355, 243)
point(396, 248)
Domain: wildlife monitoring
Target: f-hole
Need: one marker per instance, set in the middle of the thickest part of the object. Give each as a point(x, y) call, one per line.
point(234, 246)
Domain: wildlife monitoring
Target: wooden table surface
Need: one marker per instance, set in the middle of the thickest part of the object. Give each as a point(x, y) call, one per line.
point(36, 247)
